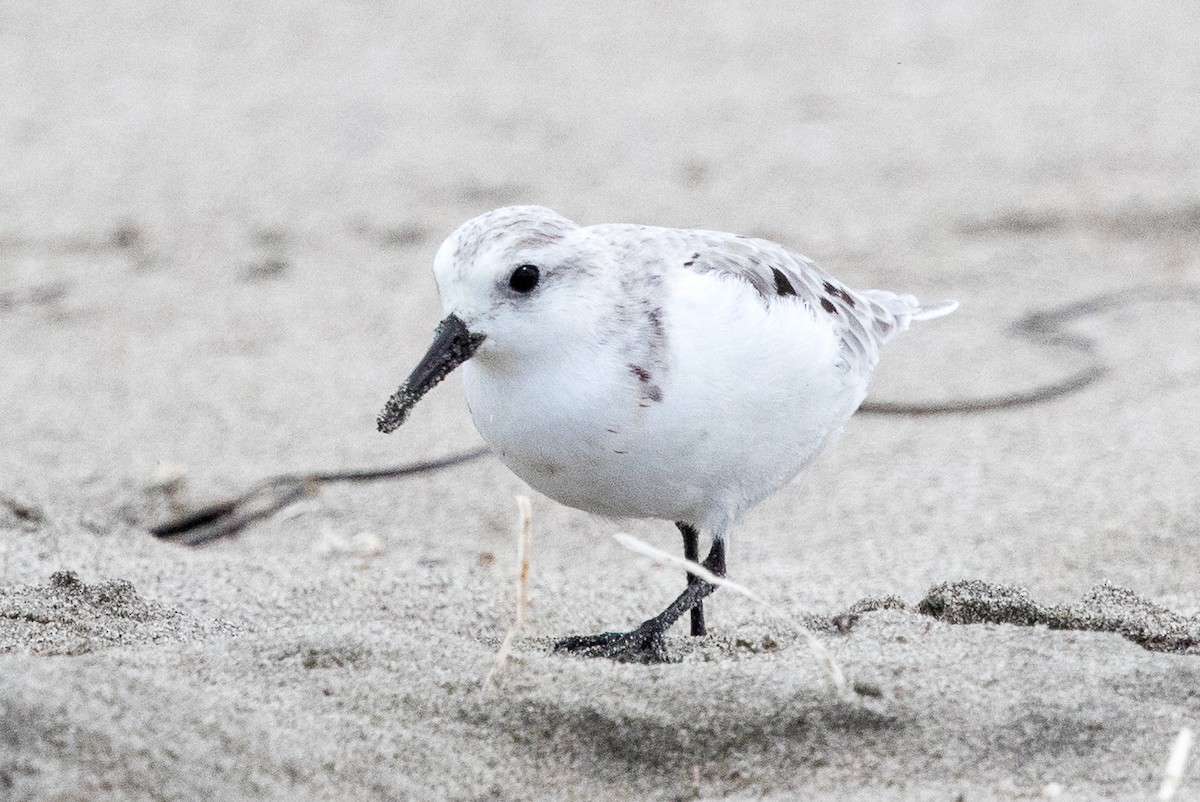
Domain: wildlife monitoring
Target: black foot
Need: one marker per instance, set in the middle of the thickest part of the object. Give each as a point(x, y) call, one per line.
point(645, 644)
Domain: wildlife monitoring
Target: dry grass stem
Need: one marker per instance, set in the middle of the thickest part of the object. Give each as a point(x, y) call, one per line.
point(524, 547)
point(1173, 776)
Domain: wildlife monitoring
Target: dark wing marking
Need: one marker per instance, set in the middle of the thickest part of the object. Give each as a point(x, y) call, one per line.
point(863, 321)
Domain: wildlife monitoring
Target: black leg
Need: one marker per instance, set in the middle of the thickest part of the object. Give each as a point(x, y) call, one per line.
point(691, 551)
point(647, 643)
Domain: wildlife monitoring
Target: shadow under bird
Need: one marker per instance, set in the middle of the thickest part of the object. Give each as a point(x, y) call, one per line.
point(643, 372)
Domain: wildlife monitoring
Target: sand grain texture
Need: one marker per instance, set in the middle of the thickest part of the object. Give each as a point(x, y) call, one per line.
point(216, 232)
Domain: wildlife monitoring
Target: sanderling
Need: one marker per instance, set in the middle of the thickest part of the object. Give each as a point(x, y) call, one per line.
point(643, 372)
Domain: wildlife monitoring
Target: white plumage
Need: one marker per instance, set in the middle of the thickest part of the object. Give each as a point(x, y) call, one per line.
point(645, 372)
point(658, 373)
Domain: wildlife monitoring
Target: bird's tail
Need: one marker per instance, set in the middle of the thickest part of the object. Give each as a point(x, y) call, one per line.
point(935, 309)
point(906, 308)
point(903, 310)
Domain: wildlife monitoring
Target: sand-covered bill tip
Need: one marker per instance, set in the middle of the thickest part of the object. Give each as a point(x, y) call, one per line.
point(452, 345)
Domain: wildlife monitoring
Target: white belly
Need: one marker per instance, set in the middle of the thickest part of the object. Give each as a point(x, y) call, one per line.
point(742, 410)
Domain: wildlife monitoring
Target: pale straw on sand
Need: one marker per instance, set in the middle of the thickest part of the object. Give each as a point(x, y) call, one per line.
point(1173, 776)
point(524, 546)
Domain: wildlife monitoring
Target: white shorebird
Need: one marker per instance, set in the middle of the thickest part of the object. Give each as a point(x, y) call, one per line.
point(642, 372)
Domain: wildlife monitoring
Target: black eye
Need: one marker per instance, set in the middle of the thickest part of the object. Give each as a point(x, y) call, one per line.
point(524, 278)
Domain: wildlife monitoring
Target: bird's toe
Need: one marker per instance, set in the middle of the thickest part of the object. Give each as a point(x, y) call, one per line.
point(646, 645)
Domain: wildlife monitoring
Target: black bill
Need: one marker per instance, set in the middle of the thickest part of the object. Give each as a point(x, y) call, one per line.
point(452, 346)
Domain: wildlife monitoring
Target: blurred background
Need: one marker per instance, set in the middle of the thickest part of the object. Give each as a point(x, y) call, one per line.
point(217, 224)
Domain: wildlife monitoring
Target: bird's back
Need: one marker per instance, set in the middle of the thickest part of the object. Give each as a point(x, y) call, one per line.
point(863, 320)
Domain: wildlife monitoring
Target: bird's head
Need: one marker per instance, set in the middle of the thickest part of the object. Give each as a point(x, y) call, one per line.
point(522, 282)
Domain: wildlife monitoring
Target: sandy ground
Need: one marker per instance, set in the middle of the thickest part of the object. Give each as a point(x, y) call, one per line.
point(216, 227)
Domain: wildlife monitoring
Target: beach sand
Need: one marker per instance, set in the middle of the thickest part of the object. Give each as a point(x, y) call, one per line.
point(216, 232)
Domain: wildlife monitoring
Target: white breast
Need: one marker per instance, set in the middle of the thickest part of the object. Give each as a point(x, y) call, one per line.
point(747, 398)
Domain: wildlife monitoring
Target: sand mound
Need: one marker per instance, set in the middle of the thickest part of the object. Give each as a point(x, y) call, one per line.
point(1105, 608)
point(68, 616)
